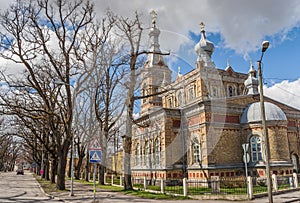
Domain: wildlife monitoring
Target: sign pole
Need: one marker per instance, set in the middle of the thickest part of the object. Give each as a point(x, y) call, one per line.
point(95, 157)
point(246, 159)
point(94, 178)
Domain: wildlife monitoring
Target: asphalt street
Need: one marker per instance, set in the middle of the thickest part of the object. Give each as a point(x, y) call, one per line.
point(21, 188)
point(25, 188)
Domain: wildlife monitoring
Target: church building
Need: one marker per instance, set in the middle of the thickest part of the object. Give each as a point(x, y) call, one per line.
point(197, 127)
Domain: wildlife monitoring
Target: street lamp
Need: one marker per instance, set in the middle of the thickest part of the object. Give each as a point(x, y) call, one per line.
point(265, 46)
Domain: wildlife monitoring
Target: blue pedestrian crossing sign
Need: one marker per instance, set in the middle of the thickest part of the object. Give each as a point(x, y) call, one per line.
point(95, 156)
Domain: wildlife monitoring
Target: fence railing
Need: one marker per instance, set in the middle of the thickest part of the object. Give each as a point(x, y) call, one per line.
point(221, 186)
point(259, 185)
point(212, 186)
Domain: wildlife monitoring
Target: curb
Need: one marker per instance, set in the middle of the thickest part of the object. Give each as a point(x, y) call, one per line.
point(42, 189)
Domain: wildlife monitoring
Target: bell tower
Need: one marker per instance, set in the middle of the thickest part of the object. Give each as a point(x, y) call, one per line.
point(155, 72)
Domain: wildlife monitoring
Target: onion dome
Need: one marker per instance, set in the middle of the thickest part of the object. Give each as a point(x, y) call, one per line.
point(251, 83)
point(204, 48)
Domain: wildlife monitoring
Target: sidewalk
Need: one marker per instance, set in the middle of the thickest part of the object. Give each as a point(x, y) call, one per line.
point(84, 193)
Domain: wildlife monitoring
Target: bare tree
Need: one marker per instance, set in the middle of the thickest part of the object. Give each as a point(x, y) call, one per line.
point(104, 54)
point(131, 31)
point(109, 99)
point(85, 125)
point(44, 36)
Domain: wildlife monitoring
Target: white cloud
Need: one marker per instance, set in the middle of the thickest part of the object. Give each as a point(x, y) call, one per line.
point(242, 24)
point(285, 92)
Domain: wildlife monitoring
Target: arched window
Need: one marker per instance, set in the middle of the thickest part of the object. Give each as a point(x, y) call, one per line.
point(195, 149)
point(230, 91)
point(170, 102)
point(295, 163)
point(191, 93)
point(157, 151)
point(214, 91)
point(256, 151)
point(137, 154)
point(196, 152)
point(147, 153)
point(180, 99)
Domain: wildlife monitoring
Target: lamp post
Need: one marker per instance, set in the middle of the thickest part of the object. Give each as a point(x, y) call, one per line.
point(265, 46)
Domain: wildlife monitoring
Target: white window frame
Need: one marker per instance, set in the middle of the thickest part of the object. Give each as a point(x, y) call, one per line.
point(256, 148)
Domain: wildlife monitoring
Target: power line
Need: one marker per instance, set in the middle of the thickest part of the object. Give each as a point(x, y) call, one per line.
point(289, 92)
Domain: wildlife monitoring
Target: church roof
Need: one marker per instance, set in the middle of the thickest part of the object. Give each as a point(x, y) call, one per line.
point(253, 113)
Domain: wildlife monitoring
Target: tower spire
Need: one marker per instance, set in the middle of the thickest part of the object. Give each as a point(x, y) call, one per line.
point(155, 74)
point(251, 83)
point(154, 57)
point(153, 18)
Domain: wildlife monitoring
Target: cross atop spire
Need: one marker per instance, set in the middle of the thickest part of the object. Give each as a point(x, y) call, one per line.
point(153, 18)
point(252, 70)
point(202, 26)
point(228, 63)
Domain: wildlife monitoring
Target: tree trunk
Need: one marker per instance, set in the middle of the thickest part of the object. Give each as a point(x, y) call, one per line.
point(127, 166)
point(127, 150)
point(53, 170)
point(103, 159)
point(102, 168)
point(61, 170)
point(78, 167)
point(47, 176)
point(129, 123)
point(87, 169)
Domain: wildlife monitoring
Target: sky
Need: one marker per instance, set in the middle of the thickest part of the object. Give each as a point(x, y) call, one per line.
point(237, 29)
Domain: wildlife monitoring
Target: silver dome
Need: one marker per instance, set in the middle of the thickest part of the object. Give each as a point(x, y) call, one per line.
point(253, 114)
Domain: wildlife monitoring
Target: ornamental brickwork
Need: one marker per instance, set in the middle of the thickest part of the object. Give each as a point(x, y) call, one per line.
point(197, 128)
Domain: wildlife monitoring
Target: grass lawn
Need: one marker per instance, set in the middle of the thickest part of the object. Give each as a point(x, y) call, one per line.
point(148, 195)
point(47, 186)
point(50, 188)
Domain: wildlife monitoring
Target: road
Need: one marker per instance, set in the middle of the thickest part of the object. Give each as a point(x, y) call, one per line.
point(21, 188)
point(24, 188)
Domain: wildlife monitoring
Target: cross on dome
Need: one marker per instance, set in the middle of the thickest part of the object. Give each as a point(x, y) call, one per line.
point(204, 48)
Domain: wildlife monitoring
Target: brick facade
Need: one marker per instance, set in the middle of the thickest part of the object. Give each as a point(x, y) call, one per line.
point(198, 131)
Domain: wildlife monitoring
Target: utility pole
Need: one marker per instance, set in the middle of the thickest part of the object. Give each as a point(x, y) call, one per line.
point(265, 46)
